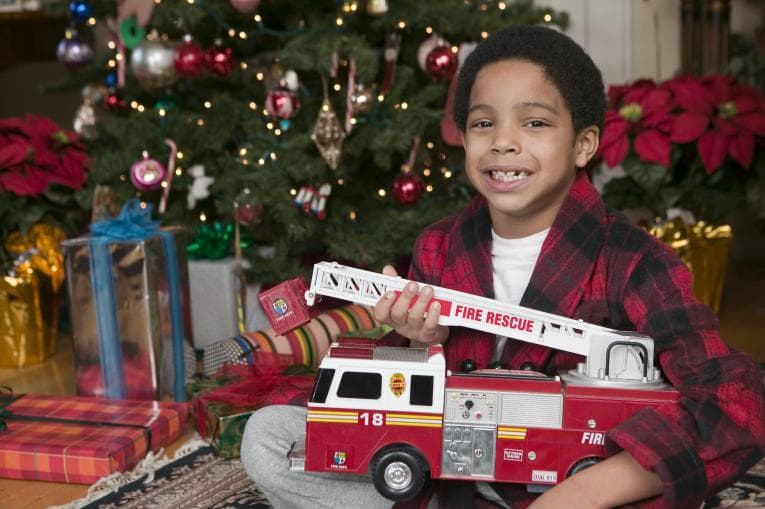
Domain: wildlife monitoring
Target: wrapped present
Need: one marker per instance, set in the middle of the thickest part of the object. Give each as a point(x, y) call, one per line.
point(705, 250)
point(222, 404)
point(222, 304)
point(80, 440)
point(215, 299)
point(305, 345)
point(128, 291)
point(29, 296)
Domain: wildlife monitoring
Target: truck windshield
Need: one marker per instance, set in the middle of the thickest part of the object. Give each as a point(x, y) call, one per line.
point(321, 386)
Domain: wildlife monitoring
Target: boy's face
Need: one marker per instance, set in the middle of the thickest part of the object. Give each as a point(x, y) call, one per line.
point(520, 147)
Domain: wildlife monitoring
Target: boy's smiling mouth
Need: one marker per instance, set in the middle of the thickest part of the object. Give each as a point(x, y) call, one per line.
point(509, 175)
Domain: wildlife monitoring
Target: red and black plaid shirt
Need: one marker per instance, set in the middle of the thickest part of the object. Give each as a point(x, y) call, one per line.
point(597, 267)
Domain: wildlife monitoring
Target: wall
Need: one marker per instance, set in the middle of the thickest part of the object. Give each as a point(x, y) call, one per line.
point(20, 92)
point(631, 39)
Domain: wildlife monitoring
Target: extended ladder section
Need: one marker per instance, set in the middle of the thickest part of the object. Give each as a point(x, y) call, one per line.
point(610, 354)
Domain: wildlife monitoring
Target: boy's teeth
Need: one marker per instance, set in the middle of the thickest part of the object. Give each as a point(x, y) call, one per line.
point(508, 176)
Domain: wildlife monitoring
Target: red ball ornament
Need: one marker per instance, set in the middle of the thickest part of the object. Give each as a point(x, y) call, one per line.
point(189, 58)
point(219, 59)
point(114, 102)
point(441, 63)
point(282, 102)
point(245, 5)
point(249, 215)
point(408, 188)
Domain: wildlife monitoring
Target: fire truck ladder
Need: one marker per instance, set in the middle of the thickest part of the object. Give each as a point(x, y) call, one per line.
point(594, 342)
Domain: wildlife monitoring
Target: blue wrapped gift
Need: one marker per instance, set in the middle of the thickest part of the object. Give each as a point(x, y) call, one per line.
point(129, 300)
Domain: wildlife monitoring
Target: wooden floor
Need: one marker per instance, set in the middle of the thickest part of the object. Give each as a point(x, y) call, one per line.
point(742, 318)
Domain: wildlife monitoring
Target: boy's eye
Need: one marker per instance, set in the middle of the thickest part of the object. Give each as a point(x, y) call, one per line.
point(536, 123)
point(481, 123)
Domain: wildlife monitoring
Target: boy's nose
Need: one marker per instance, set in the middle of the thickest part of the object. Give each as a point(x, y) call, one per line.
point(505, 142)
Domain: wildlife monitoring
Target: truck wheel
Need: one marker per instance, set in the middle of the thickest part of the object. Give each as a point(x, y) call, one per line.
point(582, 464)
point(399, 473)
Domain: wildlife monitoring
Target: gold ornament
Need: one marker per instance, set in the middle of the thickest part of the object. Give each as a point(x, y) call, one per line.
point(85, 118)
point(328, 134)
point(362, 99)
point(377, 7)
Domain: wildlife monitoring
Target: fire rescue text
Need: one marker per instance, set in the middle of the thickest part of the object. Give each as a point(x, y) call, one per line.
point(494, 318)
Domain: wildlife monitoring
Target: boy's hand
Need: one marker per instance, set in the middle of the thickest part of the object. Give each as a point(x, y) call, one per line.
point(412, 323)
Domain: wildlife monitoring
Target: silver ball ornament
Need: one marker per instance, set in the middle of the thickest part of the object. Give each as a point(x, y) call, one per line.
point(152, 64)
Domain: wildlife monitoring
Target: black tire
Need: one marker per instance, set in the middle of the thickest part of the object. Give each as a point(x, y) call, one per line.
point(582, 464)
point(399, 473)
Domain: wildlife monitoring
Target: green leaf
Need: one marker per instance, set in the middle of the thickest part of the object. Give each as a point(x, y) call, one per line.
point(651, 177)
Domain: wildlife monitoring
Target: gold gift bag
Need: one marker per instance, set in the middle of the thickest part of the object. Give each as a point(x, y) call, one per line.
point(705, 250)
point(29, 297)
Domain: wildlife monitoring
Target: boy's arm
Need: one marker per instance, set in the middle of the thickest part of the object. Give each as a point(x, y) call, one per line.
point(614, 482)
point(718, 429)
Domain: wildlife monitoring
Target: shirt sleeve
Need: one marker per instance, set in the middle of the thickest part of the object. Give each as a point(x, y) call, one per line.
point(717, 431)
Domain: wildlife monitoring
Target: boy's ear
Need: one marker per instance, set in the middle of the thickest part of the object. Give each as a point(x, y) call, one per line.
point(586, 145)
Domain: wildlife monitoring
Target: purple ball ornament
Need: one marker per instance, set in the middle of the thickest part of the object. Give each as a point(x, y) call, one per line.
point(147, 174)
point(73, 52)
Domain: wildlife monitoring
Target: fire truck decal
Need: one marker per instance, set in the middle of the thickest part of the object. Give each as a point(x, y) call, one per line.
point(544, 476)
point(511, 433)
point(333, 416)
point(424, 420)
point(397, 384)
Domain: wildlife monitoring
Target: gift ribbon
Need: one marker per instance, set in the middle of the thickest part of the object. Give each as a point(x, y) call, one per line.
point(7, 398)
point(133, 223)
point(250, 386)
point(212, 241)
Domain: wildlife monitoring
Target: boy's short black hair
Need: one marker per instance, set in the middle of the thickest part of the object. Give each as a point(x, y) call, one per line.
point(565, 63)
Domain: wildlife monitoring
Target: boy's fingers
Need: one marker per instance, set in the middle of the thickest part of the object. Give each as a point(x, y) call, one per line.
point(417, 311)
point(431, 321)
point(400, 310)
point(381, 311)
point(388, 270)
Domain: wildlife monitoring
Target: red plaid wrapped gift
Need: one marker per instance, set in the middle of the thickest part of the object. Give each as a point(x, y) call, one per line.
point(80, 440)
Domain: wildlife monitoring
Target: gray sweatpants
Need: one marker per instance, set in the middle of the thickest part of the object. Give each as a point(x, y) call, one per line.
point(269, 434)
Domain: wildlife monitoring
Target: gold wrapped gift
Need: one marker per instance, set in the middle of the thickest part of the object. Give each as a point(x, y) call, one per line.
point(29, 296)
point(705, 250)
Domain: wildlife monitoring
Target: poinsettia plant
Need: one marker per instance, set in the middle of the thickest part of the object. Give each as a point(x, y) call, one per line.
point(690, 143)
point(41, 167)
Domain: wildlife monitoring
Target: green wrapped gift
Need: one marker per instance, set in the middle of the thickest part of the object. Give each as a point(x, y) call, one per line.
point(226, 423)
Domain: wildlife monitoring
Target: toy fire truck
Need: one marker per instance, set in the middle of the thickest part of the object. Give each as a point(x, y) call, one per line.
point(399, 415)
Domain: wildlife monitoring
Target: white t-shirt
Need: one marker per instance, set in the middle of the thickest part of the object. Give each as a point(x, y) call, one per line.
point(512, 262)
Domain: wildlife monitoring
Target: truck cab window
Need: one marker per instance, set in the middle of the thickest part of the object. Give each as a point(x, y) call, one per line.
point(321, 387)
point(360, 385)
point(421, 392)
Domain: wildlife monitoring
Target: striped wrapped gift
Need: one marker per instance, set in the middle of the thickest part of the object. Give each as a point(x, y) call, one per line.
point(305, 345)
point(80, 440)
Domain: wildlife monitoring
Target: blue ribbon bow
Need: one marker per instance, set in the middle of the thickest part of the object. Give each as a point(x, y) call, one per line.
point(134, 223)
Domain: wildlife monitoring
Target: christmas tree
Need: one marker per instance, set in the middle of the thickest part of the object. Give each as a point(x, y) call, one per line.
point(318, 125)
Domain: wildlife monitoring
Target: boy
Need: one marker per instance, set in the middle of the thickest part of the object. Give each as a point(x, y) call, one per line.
point(530, 104)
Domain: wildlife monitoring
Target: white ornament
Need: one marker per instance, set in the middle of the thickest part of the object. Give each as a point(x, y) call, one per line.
point(200, 187)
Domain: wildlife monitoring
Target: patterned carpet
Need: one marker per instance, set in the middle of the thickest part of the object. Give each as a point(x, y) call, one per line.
point(202, 480)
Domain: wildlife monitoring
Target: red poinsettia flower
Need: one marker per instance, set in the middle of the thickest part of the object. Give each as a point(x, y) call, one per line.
point(642, 111)
point(35, 152)
point(24, 180)
point(724, 116)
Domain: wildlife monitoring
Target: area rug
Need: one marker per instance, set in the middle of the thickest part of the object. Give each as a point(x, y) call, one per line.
point(196, 479)
point(199, 479)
